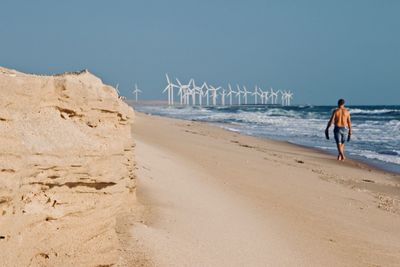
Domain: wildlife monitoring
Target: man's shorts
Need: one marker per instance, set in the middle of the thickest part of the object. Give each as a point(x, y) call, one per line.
point(340, 134)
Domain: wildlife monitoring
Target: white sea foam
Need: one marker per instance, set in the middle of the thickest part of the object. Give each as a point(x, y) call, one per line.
point(374, 111)
point(373, 155)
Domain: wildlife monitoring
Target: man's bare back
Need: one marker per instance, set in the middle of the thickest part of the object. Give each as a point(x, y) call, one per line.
point(341, 117)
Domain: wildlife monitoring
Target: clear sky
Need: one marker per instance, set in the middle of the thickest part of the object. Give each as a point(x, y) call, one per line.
point(321, 50)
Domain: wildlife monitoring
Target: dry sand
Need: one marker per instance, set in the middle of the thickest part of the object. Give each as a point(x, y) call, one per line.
point(216, 198)
point(67, 186)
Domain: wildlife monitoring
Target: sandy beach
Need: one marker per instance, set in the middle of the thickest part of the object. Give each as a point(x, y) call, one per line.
point(86, 181)
point(199, 134)
point(210, 197)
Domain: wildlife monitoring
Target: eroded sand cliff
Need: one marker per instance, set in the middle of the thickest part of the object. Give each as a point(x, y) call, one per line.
point(66, 170)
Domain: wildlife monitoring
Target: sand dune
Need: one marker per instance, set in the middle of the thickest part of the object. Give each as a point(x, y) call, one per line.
point(66, 170)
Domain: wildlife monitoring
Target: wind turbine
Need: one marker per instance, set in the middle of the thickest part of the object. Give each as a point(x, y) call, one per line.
point(256, 93)
point(274, 96)
point(207, 93)
point(116, 88)
point(214, 94)
point(193, 92)
point(238, 94)
point(230, 93)
point(289, 97)
point(183, 92)
point(196, 90)
point(283, 97)
point(118, 93)
point(245, 93)
point(266, 95)
point(261, 94)
point(136, 92)
point(201, 93)
point(170, 88)
point(223, 94)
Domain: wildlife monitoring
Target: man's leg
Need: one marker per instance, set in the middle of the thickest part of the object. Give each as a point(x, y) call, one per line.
point(340, 148)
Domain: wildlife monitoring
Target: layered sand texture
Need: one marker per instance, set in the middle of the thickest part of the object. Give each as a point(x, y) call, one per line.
point(218, 198)
point(66, 170)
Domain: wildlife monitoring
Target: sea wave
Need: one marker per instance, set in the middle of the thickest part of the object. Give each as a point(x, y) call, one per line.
point(369, 154)
point(374, 111)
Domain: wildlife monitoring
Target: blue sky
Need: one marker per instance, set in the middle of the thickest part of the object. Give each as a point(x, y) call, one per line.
point(321, 50)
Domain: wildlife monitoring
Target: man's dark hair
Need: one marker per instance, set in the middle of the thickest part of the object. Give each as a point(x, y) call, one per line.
point(340, 102)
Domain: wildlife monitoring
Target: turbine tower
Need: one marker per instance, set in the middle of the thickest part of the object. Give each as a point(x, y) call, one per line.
point(214, 94)
point(238, 94)
point(223, 94)
point(207, 94)
point(262, 96)
point(230, 94)
point(283, 97)
point(274, 96)
point(193, 92)
point(256, 94)
point(183, 92)
point(245, 93)
point(116, 88)
point(136, 92)
point(266, 96)
point(289, 97)
point(201, 93)
point(170, 88)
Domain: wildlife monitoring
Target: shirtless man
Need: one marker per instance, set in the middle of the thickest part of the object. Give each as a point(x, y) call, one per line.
point(341, 119)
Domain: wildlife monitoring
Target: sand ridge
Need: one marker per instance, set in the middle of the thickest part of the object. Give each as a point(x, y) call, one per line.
point(66, 170)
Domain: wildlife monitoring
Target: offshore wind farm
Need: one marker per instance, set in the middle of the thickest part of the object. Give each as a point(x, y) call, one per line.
point(189, 94)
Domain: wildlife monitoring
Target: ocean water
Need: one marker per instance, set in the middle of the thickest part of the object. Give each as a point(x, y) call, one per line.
point(376, 129)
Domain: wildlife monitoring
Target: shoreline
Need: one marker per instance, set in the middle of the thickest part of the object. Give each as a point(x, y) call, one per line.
point(208, 192)
point(351, 162)
point(381, 156)
point(364, 162)
point(357, 160)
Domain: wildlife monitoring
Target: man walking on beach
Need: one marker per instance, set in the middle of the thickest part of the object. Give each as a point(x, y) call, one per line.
point(341, 118)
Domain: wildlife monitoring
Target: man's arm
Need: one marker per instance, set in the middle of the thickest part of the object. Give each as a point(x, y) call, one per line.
point(349, 123)
point(329, 125)
point(330, 121)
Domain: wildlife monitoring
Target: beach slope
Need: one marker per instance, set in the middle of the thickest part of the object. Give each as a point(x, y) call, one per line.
point(218, 198)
